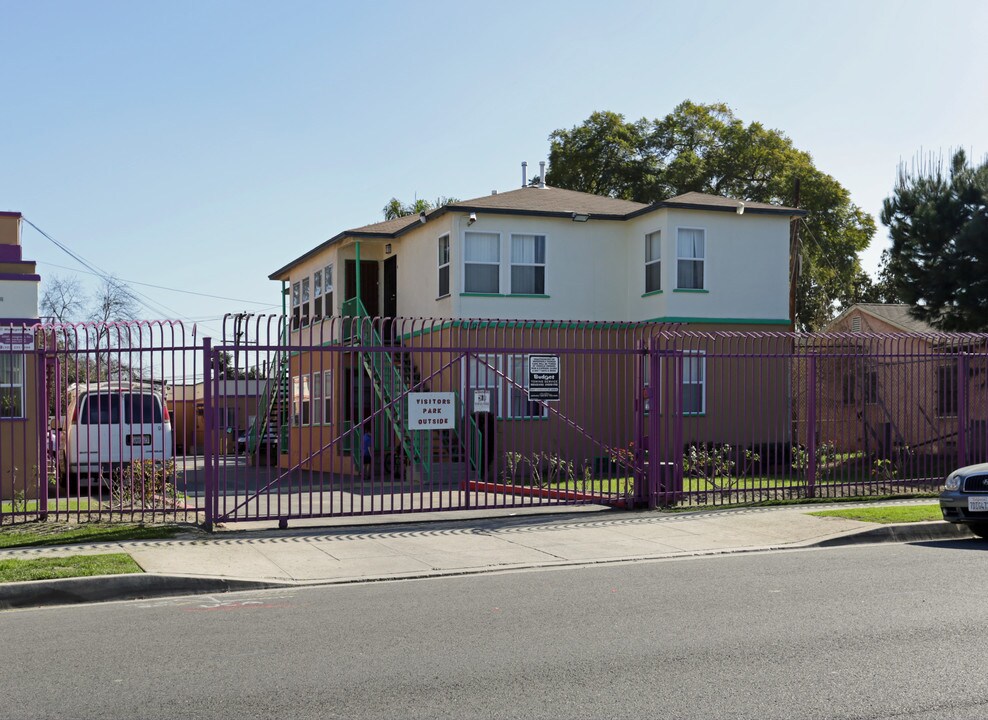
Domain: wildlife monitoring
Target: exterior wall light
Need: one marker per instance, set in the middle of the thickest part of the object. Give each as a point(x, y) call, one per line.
point(581, 217)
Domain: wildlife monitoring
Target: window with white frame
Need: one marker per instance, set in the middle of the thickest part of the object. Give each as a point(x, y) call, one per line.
point(519, 406)
point(694, 382)
point(301, 401)
point(506, 376)
point(483, 376)
point(947, 390)
point(317, 398)
point(296, 305)
point(11, 385)
point(327, 397)
point(528, 264)
point(305, 301)
point(690, 257)
point(444, 266)
point(327, 290)
point(653, 262)
point(481, 263)
point(317, 295)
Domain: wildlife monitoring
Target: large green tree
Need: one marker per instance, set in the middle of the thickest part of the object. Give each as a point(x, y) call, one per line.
point(706, 148)
point(938, 222)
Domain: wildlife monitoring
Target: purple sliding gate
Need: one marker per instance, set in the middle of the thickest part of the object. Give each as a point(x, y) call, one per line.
point(361, 417)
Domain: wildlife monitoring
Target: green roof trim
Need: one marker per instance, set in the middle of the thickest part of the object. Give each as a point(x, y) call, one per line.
point(719, 321)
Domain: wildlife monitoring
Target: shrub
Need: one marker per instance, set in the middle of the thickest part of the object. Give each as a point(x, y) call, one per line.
point(718, 464)
point(144, 483)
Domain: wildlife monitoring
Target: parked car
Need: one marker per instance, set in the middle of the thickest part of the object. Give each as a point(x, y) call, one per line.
point(268, 439)
point(109, 426)
point(964, 498)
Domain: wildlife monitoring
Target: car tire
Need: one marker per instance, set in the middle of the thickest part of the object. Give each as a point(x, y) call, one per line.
point(979, 528)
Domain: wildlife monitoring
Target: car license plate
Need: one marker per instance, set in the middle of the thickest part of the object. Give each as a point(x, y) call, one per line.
point(138, 440)
point(977, 504)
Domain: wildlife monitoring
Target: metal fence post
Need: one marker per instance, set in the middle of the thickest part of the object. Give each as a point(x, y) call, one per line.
point(467, 421)
point(811, 428)
point(962, 409)
point(653, 456)
point(45, 447)
point(207, 419)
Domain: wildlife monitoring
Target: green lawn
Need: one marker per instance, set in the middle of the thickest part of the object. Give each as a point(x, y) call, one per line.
point(76, 566)
point(887, 514)
point(31, 506)
point(45, 533)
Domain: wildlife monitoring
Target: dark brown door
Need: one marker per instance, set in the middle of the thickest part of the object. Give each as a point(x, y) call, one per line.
point(370, 284)
point(390, 296)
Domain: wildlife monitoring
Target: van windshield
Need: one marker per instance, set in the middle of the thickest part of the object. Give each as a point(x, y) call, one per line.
point(141, 408)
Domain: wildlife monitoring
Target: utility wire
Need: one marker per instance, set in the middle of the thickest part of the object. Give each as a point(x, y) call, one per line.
point(146, 302)
point(161, 287)
point(136, 296)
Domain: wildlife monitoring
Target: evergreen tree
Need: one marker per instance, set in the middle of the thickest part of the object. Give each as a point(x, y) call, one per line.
point(938, 223)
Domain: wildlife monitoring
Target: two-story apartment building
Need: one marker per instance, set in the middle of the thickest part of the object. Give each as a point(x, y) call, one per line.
point(527, 256)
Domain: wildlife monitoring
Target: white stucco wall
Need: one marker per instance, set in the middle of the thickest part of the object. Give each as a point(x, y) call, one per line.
point(745, 269)
point(18, 299)
point(594, 270)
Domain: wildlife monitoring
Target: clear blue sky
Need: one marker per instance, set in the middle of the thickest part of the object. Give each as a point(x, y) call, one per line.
point(202, 145)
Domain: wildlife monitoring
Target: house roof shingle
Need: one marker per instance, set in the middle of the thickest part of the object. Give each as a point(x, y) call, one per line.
point(546, 201)
point(896, 315)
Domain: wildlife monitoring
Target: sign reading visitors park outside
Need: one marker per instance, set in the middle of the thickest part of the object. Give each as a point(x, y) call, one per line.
point(431, 411)
point(543, 377)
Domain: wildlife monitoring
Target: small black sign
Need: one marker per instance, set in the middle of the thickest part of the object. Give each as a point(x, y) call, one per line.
point(543, 377)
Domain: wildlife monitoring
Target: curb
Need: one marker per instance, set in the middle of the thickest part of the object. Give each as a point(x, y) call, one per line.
point(903, 532)
point(102, 588)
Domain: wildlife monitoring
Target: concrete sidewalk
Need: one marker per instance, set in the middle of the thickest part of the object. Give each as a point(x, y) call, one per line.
point(448, 545)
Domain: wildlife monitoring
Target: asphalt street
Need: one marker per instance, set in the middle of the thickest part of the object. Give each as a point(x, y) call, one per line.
point(857, 632)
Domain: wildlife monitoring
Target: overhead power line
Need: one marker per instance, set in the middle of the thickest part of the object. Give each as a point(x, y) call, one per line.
point(162, 287)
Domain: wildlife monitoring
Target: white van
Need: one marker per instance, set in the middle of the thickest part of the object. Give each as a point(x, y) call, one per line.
point(109, 426)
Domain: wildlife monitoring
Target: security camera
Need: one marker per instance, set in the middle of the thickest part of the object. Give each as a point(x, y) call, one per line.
point(472, 219)
point(422, 216)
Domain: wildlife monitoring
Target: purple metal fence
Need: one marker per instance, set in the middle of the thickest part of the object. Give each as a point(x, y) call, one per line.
point(93, 424)
point(749, 417)
point(144, 421)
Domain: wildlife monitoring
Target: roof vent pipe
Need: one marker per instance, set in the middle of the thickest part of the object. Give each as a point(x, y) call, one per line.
point(542, 174)
point(524, 173)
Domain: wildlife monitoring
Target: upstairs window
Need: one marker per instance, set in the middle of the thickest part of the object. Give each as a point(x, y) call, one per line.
point(305, 301)
point(482, 263)
point(444, 266)
point(296, 305)
point(691, 256)
point(653, 263)
point(327, 290)
point(317, 295)
point(528, 264)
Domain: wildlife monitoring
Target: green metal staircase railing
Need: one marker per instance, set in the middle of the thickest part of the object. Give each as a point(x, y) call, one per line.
point(386, 381)
point(390, 386)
